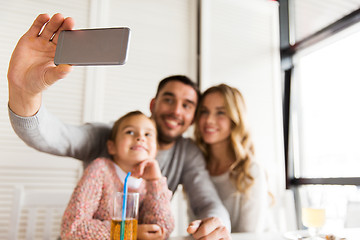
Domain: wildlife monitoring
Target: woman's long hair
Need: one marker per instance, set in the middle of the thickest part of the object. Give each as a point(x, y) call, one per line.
point(240, 138)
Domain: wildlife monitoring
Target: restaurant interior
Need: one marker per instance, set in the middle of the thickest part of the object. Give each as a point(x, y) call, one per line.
point(296, 63)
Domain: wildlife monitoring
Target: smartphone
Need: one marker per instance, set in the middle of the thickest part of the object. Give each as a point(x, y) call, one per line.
point(101, 46)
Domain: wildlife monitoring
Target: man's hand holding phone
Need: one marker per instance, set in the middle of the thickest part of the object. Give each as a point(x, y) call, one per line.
point(32, 68)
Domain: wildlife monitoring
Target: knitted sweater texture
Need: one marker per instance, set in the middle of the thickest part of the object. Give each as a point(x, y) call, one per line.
point(88, 214)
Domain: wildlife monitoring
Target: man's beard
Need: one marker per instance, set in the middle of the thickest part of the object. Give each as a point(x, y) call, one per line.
point(163, 138)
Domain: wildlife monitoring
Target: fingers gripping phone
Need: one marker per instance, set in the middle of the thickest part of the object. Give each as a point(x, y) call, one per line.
point(103, 46)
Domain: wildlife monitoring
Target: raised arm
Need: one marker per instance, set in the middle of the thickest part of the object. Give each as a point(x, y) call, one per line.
point(31, 71)
point(32, 68)
point(46, 133)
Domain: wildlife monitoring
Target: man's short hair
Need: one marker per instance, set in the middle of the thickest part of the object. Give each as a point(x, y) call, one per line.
point(180, 78)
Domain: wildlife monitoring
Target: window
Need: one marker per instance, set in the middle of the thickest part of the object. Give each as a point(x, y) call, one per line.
point(321, 84)
point(324, 115)
point(310, 16)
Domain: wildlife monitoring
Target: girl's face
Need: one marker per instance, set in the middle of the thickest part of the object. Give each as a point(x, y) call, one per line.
point(135, 142)
point(214, 124)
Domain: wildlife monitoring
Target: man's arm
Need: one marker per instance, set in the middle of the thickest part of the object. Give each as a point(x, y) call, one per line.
point(32, 68)
point(47, 133)
point(201, 192)
point(211, 228)
point(31, 71)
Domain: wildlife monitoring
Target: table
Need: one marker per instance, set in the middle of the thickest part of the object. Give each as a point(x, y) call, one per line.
point(348, 233)
point(244, 236)
point(257, 236)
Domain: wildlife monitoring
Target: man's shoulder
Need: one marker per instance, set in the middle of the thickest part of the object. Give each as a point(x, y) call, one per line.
point(187, 143)
point(187, 148)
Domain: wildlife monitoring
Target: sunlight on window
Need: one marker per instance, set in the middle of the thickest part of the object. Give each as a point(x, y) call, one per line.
point(337, 201)
point(327, 110)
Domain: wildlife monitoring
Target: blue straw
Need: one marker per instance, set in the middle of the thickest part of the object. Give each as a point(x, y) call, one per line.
point(124, 207)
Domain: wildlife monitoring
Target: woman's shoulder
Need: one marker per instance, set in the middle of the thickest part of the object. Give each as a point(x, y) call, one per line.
point(256, 169)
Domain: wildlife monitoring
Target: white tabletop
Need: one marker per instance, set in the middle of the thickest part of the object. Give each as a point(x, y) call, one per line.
point(256, 236)
point(348, 234)
point(244, 236)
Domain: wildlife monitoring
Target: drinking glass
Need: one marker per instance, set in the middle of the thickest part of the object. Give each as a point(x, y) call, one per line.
point(130, 222)
point(313, 215)
point(313, 218)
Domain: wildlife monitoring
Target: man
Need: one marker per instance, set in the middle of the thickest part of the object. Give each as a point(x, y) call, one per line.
point(31, 70)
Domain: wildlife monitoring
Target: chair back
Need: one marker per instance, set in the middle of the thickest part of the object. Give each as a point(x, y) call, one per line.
point(352, 219)
point(37, 211)
point(283, 217)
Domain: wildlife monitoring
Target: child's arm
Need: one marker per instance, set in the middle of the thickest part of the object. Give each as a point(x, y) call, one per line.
point(148, 170)
point(155, 207)
point(78, 220)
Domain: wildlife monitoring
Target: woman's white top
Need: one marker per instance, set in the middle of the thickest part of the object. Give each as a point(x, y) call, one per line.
point(247, 213)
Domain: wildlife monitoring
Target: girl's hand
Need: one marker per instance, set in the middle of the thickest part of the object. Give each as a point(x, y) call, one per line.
point(148, 170)
point(150, 232)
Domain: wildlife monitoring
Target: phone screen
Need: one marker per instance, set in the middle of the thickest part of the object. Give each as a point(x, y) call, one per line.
point(103, 46)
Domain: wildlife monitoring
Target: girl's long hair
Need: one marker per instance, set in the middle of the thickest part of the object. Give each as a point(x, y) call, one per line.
point(240, 137)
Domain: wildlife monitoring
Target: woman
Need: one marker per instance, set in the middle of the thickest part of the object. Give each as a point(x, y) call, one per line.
point(222, 133)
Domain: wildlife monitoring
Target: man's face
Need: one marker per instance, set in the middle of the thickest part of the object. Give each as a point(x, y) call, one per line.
point(173, 110)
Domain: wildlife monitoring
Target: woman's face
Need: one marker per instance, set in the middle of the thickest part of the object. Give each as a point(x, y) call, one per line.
point(214, 124)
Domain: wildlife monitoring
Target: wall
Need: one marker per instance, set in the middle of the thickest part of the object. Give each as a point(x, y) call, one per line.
point(240, 47)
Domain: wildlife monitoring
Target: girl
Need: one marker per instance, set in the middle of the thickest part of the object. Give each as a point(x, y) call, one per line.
point(133, 146)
